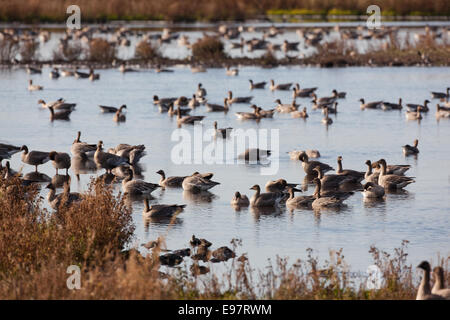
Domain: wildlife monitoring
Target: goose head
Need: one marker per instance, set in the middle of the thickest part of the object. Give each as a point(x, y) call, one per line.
point(24, 148)
point(369, 163)
point(425, 265)
point(237, 194)
point(40, 101)
point(124, 106)
point(100, 145)
point(215, 125)
point(52, 155)
point(155, 98)
point(256, 188)
point(278, 101)
point(362, 100)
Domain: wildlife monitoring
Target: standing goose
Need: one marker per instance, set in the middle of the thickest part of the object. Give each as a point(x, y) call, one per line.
point(60, 160)
point(392, 181)
point(268, 199)
point(300, 114)
point(392, 106)
point(322, 202)
point(300, 201)
point(82, 147)
point(119, 116)
point(370, 105)
point(162, 210)
point(358, 175)
point(34, 158)
point(308, 166)
point(439, 288)
point(197, 183)
point(137, 187)
point(211, 107)
point(33, 87)
point(397, 169)
point(240, 200)
point(281, 86)
point(107, 109)
point(221, 132)
point(258, 85)
point(370, 176)
point(170, 182)
point(107, 161)
point(414, 115)
point(60, 115)
point(232, 100)
point(372, 190)
point(424, 106)
point(411, 150)
point(424, 291)
point(441, 95)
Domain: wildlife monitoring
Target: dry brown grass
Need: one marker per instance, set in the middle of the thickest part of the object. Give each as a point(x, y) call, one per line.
point(100, 50)
point(28, 50)
point(146, 51)
point(208, 49)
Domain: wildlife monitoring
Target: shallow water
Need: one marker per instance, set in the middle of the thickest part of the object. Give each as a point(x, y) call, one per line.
point(420, 215)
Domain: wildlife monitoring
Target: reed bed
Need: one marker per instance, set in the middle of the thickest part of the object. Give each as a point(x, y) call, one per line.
point(37, 246)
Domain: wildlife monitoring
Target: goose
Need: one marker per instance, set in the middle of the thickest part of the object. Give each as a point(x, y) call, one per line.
point(392, 181)
point(240, 200)
point(262, 113)
point(33, 70)
point(441, 95)
point(370, 176)
point(119, 116)
point(340, 95)
point(81, 163)
point(332, 181)
point(299, 201)
point(279, 185)
point(232, 100)
point(107, 109)
point(132, 153)
point(257, 85)
point(166, 101)
point(196, 242)
point(281, 86)
point(93, 76)
point(290, 46)
point(372, 190)
point(231, 72)
point(33, 87)
point(321, 105)
point(171, 112)
point(193, 103)
point(249, 115)
point(55, 199)
point(67, 73)
point(411, 150)
point(160, 69)
point(81, 75)
point(217, 107)
point(326, 120)
point(123, 68)
point(300, 114)
point(170, 182)
point(197, 183)
point(79, 147)
point(414, 115)
point(222, 132)
point(201, 92)
point(222, 254)
point(268, 199)
point(424, 106)
point(332, 110)
point(285, 108)
point(198, 69)
point(181, 101)
point(302, 93)
point(60, 104)
point(9, 173)
point(187, 119)
point(137, 187)
point(326, 100)
point(322, 201)
point(60, 160)
point(162, 210)
point(34, 158)
point(392, 106)
point(170, 259)
point(358, 175)
point(254, 154)
point(439, 288)
point(107, 161)
point(397, 169)
point(7, 150)
point(442, 112)
point(370, 105)
point(54, 74)
point(424, 291)
point(308, 166)
point(60, 115)
point(294, 155)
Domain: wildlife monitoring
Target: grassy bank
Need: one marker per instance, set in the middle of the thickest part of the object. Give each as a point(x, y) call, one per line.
point(207, 10)
point(37, 246)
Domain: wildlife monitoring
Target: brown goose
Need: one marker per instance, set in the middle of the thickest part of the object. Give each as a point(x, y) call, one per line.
point(257, 85)
point(392, 106)
point(170, 182)
point(254, 154)
point(188, 119)
point(322, 201)
point(294, 154)
point(119, 116)
point(411, 150)
point(240, 200)
point(370, 105)
point(107, 109)
point(249, 115)
point(424, 106)
point(68, 197)
point(332, 181)
point(60, 115)
point(414, 115)
point(439, 284)
point(441, 95)
point(397, 169)
point(34, 158)
point(232, 99)
point(33, 87)
point(132, 153)
point(157, 100)
point(137, 187)
point(326, 120)
point(82, 147)
point(300, 114)
point(279, 185)
point(107, 161)
point(281, 86)
point(162, 210)
point(372, 190)
point(259, 112)
point(197, 183)
point(211, 107)
point(358, 175)
point(325, 100)
point(424, 291)
point(302, 93)
point(299, 201)
point(60, 160)
point(268, 199)
point(370, 176)
point(171, 112)
point(330, 193)
point(221, 132)
point(286, 108)
point(392, 181)
point(308, 166)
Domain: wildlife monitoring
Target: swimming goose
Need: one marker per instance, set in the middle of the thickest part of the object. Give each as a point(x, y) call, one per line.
point(300, 114)
point(281, 86)
point(340, 95)
point(294, 155)
point(54, 74)
point(414, 115)
point(201, 92)
point(33, 87)
point(254, 154)
point(188, 119)
point(171, 112)
point(193, 103)
point(424, 291)
point(60, 104)
point(262, 113)
point(326, 120)
point(240, 200)
point(268, 199)
point(93, 76)
point(170, 182)
point(107, 109)
point(358, 175)
point(322, 201)
point(258, 85)
point(330, 109)
point(370, 105)
point(162, 101)
point(82, 147)
point(370, 176)
point(34, 158)
point(55, 199)
point(197, 183)
point(81, 75)
point(160, 69)
point(181, 101)
point(60, 115)
point(441, 95)
point(232, 72)
point(119, 116)
point(411, 150)
point(392, 106)
point(285, 108)
point(327, 100)
point(372, 190)
point(60, 160)
point(107, 161)
point(302, 93)
point(321, 105)
point(424, 106)
point(33, 70)
point(162, 210)
point(279, 185)
point(308, 166)
point(332, 181)
point(392, 181)
point(232, 100)
point(438, 287)
point(137, 187)
point(221, 132)
point(249, 115)
point(300, 201)
point(211, 107)
point(442, 112)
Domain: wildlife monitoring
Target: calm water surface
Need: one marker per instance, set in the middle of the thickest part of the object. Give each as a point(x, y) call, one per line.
point(420, 215)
